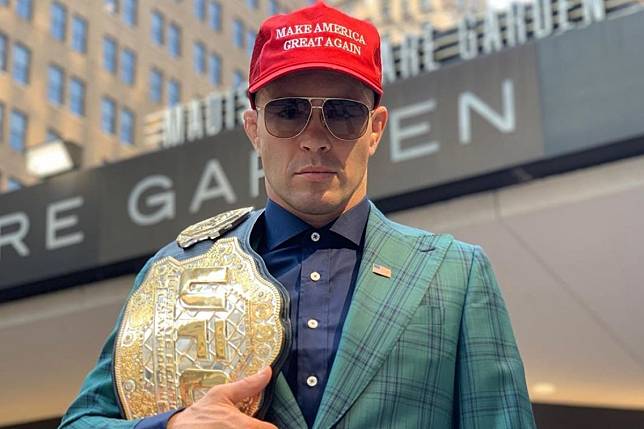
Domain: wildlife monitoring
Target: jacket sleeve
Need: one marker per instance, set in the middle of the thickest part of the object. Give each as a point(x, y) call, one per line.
point(491, 391)
point(96, 405)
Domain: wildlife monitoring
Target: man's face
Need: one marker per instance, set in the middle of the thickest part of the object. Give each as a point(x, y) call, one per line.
point(315, 175)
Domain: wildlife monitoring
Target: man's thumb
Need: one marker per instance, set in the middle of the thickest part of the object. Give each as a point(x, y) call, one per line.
point(247, 387)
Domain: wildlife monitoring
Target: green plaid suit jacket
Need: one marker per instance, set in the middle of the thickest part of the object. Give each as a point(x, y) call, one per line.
point(430, 347)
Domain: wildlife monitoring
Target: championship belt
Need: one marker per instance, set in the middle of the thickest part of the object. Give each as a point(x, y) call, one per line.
point(194, 324)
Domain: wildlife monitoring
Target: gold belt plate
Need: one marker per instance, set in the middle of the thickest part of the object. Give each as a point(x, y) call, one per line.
point(194, 324)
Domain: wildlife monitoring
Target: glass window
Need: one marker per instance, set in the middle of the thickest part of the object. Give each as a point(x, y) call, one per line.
point(238, 78)
point(79, 34)
point(238, 33)
point(55, 84)
point(215, 69)
point(131, 12)
point(174, 92)
point(252, 4)
point(199, 9)
point(250, 42)
point(3, 52)
point(128, 66)
point(108, 115)
point(215, 15)
point(405, 9)
point(385, 10)
point(52, 135)
point(77, 96)
point(273, 7)
point(199, 57)
point(127, 126)
point(1, 122)
point(156, 85)
point(58, 21)
point(25, 9)
point(17, 130)
point(109, 54)
point(174, 40)
point(13, 184)
point(21, 63)
point(112, 6)
point(158, 22)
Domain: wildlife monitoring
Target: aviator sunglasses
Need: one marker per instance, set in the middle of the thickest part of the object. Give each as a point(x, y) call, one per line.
point(288, 117)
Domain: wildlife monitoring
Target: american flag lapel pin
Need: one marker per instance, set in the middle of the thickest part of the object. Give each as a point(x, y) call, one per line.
point(381, 270)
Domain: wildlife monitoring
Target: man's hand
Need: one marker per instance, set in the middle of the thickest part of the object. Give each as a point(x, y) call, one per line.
point(218, 410)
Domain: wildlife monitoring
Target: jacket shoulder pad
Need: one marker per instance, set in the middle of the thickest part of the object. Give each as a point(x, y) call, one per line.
point(212, 228)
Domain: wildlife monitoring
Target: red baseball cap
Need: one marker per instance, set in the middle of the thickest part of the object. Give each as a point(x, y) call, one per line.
point(315, 37)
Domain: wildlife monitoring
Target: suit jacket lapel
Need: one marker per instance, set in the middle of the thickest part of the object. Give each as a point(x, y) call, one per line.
point(284, 411)
point(380, 309)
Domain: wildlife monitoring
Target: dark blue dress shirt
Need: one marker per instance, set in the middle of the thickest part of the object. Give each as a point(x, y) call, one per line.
point(318, 267)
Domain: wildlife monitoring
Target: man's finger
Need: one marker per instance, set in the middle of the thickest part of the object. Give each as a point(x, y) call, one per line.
point(246, 387)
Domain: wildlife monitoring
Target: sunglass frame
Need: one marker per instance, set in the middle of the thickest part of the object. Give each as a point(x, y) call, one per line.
point(324, 120)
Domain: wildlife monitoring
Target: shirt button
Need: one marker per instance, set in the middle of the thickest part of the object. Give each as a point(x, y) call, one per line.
point(315, 236)
point(312, 381)
point(315, 276)
point(312, 323)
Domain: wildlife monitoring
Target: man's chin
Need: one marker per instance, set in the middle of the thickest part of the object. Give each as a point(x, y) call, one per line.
point(318, 205)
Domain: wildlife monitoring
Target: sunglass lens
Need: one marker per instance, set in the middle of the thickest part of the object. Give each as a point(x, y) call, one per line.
point(346, 119)
point(286, 117)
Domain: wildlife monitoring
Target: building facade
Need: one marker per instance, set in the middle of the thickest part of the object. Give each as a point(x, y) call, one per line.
point(396, 17)
point(89, 72)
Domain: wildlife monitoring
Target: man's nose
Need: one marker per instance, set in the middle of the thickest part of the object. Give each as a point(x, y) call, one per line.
point(315, 136)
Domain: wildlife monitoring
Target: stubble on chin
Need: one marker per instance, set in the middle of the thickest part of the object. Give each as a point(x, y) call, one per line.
point(314, 203)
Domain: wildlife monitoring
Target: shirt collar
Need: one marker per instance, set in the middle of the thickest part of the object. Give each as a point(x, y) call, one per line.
point(351, 224)
point(282, 225)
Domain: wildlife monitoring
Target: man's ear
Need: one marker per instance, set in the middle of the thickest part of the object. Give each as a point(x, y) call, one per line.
point(250, 127)
point(378, 122)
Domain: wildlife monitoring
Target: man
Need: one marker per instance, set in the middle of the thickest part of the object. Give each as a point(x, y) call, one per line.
point(391, 326)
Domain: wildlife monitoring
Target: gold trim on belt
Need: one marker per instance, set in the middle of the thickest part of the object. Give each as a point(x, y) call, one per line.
point(194, 324)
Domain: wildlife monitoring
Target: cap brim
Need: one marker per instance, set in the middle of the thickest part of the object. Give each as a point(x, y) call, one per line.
point(309, 66)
